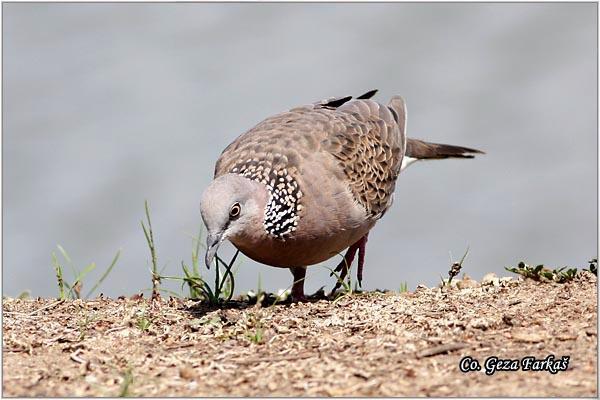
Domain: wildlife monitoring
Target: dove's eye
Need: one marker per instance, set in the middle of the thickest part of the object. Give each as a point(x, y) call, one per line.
point(235, 210)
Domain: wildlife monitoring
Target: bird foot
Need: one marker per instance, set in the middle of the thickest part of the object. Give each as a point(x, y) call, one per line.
point(298, 285)
point(299, 298)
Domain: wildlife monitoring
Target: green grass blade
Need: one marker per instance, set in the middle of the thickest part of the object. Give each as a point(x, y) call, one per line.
point(217, 279)
point(59, 277)
point(64, 253)
point(150, 239)
point(83, 273)
point(171, 292)
point(127, 382)
point(196, 252)
point(68, 259)
point(105, 274)
point(146, 234)
point(186, 279)
point(148, 215)
point(228, 272)
point(464, 255)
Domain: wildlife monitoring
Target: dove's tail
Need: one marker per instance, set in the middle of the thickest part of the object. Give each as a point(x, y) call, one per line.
point(419, 150)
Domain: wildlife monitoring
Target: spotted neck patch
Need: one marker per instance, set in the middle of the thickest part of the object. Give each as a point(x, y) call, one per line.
point(283, 207)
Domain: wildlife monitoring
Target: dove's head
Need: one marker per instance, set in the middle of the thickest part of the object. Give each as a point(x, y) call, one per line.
point(232, 207)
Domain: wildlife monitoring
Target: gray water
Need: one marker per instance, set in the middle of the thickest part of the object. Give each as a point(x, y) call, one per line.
point(106, 105)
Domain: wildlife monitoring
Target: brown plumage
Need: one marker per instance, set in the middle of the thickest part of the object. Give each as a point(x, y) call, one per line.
point(361, 139)
point(312, 181)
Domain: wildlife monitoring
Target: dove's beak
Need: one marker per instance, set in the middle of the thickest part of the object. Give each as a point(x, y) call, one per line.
point(213, 241)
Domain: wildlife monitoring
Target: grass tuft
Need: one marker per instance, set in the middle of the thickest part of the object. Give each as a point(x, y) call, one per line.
point(84, 324)
point(126, 384)
point(224, 286)
point(403, 287)
point(150, 240)
point(73, 290)
point(199, 289)
point(540, 273)
point(24, 295)
point(257, 336)
point(454, 269)
point(345, 284)
point(143, 322)
point(59, 277)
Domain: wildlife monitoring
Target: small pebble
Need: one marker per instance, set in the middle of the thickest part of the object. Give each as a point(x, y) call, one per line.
point(186, 372)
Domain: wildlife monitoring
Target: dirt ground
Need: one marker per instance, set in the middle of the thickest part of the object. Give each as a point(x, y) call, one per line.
point(371, 344)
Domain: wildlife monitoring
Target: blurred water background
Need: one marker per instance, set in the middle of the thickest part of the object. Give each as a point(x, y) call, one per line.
point(106, 105)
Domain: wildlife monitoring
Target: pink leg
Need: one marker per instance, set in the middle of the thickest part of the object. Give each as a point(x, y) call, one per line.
point(362, 249)
point(342, 268)
point(344, 265)
point(299, 274)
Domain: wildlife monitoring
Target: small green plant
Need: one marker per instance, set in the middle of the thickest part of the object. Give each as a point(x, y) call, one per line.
point(143, 322)
point(105, 274)
point(59, 277)
point(454, 268)
point(403, 287)
point(194, 274)
point(24, 295)
point(84, 324)
point(224, 286)
point(540, 273)
point(199, 288)
point(257, 336)
point(561, 276)
point(73, 290)
point(151, 245)
point(345, 283)
point(527, 271)
point(126, 384)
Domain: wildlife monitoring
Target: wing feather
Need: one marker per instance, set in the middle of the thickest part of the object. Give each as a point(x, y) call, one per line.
point(363, 138)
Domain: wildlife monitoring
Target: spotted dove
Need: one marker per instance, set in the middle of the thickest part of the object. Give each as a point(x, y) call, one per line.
point(303, 185)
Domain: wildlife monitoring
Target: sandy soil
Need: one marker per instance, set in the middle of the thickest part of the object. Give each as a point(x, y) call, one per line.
point(372, 344)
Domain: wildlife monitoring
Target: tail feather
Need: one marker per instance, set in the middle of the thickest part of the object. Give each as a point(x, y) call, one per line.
point(421, 150)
